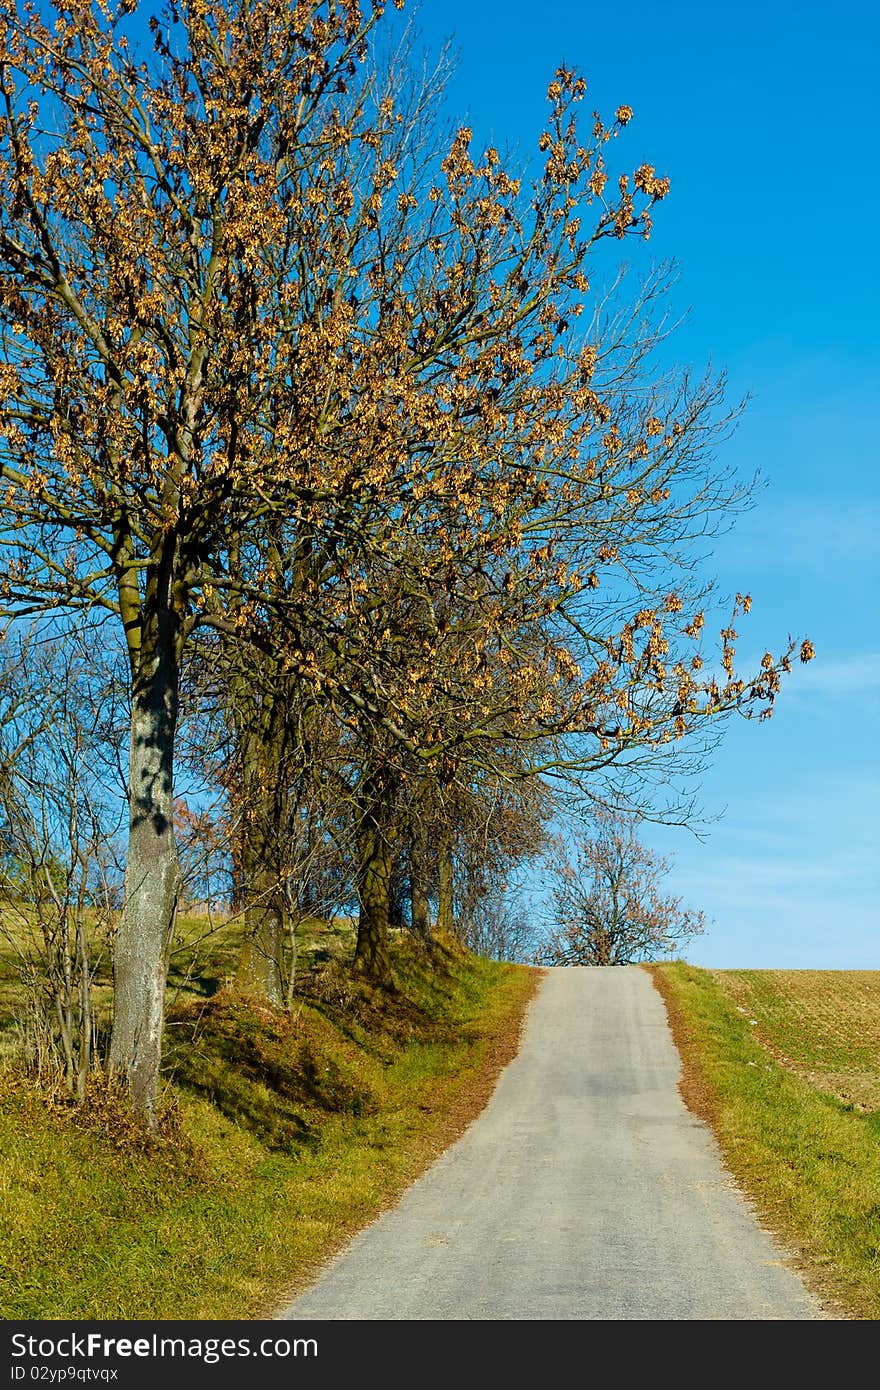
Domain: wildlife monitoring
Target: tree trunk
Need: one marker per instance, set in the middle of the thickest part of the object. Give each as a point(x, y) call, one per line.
point(397, 893)
point(152, 876)
point(445, 884)
point(260, 971)
point(420, 911)
point(260, 965)
point(375, 857)
point(259, 719)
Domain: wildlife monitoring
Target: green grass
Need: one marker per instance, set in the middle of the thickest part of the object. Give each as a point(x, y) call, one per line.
point(808, 1157)
point(285, 1135)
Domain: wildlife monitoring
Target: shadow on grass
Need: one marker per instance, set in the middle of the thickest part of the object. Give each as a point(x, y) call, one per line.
point(280, 1075)
point(260, 1068)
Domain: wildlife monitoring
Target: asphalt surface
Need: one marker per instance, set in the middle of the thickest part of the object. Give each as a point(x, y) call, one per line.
point(585, 1190)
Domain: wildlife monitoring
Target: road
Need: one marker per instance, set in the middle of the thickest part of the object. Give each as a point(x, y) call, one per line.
point(585, 1190)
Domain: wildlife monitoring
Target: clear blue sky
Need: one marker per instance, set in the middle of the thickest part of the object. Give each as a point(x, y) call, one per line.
point(767, 120)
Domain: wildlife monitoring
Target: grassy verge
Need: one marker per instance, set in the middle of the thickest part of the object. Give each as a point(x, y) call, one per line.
point(285, 1135)
point(807, 1157)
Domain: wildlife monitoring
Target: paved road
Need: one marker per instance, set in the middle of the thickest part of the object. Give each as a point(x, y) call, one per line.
point(585, 1190)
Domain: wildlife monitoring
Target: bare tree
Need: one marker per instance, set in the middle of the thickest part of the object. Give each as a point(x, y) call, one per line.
point(60, 875)
point(607, 905)
point(499, 828)
point(501, 927)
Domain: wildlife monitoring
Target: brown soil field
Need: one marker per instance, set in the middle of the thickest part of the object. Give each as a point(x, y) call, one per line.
point(823, 1025)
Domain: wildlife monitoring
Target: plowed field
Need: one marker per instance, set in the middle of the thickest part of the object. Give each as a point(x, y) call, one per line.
point(823, 1025)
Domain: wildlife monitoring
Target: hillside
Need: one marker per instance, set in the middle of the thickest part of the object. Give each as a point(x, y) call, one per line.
point(283, 1133)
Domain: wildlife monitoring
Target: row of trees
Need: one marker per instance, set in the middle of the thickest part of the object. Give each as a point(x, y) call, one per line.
point(392, 506)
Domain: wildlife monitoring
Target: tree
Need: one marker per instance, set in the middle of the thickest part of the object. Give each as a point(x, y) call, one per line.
point(60, 818)
point(499, 827)
point(144, 339)
point(607, 905)
point(266, 370)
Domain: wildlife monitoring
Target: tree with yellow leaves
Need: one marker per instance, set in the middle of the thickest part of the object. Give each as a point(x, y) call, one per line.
point(271, 372)
point(144, 341)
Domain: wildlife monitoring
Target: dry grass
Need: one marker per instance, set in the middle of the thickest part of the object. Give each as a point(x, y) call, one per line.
point(823, 1025)
point(781, 1065)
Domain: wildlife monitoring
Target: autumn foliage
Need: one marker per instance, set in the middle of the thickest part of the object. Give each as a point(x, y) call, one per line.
point(328, 415)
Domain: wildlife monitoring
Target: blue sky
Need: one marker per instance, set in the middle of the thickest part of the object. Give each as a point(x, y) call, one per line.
point(766, 119)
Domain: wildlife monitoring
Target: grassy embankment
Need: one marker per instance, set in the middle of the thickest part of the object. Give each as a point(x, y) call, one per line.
point(785, 1066)
point(284, 1135)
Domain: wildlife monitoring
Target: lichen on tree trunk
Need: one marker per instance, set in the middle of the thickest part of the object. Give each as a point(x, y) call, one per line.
point(260, 965)
point(152, 878)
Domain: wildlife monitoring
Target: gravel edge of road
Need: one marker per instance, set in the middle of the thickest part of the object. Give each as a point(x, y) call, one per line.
point(702, 1101)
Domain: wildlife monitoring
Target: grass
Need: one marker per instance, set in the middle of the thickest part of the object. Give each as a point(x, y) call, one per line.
point(823, 1025)
point(784, 1065)
point(284, 1134)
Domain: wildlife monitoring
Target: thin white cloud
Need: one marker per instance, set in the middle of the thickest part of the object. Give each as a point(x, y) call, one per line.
point(743, 879)
point(820, 537)
point(832, 677)
point(854, 675)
